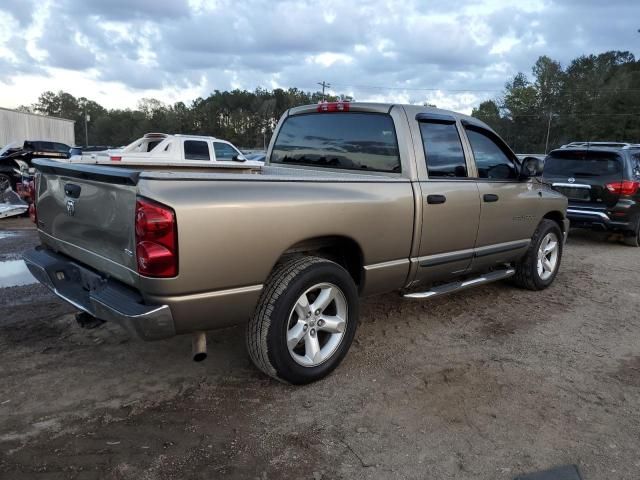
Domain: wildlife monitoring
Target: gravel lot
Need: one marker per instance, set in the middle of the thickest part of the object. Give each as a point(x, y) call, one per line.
point(484, 384)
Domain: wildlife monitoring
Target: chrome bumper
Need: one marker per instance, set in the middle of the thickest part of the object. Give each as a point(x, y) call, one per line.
point(584, 214)
point(103, 298)
point(597, 218)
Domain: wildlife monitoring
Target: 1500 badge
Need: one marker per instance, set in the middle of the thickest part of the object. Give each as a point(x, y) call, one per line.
point(524, 218)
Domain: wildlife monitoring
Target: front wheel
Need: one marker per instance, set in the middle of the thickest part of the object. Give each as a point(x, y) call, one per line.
point(539, 267)
point(305, 320)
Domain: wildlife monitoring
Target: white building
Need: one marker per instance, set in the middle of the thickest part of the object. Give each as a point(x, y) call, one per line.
point(18, 127)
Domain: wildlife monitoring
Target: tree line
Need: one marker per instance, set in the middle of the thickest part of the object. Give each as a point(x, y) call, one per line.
point(245, 118)
point(594, 98)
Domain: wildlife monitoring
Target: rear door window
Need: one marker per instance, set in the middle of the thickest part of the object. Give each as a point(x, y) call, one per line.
point(443, 150)
point(582, 164)
point(492, 160)
point(224, 151)
point(352, 141)
point(196, 150)
point(635, 165)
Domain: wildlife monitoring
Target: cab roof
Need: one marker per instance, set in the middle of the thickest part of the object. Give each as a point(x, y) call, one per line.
point(156, 136)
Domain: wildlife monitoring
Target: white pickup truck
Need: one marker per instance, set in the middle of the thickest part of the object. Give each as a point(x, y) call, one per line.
point(167, 149)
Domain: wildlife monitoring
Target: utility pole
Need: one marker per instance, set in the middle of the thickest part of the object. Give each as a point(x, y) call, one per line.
point(324, 85)
point(546, 145)
point(86, 128)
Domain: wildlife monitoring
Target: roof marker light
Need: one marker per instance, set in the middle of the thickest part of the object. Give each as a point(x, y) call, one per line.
point(341, 106)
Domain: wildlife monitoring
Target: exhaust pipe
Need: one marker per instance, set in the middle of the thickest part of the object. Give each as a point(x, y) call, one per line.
point(199, 346)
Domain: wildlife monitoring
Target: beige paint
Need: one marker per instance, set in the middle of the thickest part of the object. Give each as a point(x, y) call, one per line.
point(233, 228)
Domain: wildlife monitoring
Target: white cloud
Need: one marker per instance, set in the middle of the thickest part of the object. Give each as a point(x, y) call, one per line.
point(118, 51)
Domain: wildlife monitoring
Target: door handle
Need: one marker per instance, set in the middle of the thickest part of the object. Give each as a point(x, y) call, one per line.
point(490, 197)
point(435, 199)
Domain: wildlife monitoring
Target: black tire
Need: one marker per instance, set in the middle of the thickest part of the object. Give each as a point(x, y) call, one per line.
point(5, 182)
point(527, 275)
point(267, 329)
point(632, 238)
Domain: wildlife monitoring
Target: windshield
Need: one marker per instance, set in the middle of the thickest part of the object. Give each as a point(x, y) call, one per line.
point(582, 164)
point(355, 141)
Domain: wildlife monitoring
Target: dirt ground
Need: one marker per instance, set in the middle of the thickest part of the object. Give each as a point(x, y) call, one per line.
point(485, 384)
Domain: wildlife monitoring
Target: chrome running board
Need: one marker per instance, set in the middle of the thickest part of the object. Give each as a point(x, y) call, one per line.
point(461, 285)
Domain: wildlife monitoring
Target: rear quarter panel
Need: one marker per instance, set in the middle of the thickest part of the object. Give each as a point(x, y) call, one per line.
point(231, 233)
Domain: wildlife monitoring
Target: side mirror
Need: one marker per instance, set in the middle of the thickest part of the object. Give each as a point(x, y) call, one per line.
point(530, 167)
point(239, 158)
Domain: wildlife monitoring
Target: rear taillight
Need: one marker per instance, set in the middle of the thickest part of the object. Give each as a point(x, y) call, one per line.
point(115, 158)
point(333, 107)
point(156, 239)
point(627, 187)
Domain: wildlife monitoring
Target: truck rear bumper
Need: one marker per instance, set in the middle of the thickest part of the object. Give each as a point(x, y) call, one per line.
point(106, 299)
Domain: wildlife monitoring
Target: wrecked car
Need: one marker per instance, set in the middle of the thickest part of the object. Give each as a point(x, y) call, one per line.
point(12, 154)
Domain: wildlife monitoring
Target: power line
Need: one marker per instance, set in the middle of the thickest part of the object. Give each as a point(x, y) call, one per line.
point(544, 115)
point(470, 90)
point(379, 87)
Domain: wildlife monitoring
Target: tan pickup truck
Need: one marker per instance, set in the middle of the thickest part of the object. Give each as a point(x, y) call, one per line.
point(354, 200)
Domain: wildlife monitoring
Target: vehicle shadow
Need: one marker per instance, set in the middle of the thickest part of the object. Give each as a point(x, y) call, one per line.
point(586, 236)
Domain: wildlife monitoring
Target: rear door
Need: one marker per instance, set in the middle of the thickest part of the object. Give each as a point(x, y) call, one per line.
point(450, 203)
point(583, 175)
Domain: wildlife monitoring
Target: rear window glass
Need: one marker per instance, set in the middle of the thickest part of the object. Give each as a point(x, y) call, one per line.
point(582, 164)
point(636, 164)
point(443, 150)
point(47, 146)
point(354, 141)
point(196, 150)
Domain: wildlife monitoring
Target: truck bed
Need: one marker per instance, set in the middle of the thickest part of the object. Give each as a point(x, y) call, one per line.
point(223, 218)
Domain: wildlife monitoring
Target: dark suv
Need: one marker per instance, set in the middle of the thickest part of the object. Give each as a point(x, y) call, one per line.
point(602, 184)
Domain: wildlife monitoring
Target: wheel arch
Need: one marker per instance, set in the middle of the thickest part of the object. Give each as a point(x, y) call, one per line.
point(343, 250)
point(557, 217)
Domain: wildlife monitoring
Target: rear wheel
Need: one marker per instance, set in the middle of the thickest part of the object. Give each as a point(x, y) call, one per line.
point(539, 267)
point(305, 320)
point(632, 237)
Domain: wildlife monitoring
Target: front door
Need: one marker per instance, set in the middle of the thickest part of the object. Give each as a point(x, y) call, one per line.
point(450, 202)
point(508, 206)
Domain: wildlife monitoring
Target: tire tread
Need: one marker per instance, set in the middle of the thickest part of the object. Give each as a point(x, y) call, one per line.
point(259, 323)
point(524, 276)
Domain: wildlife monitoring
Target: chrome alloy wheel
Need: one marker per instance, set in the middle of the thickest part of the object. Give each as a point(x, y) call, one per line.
point(317, 324)
point(548, 256)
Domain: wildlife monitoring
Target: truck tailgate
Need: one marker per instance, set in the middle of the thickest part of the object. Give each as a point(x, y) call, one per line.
point(88, 213)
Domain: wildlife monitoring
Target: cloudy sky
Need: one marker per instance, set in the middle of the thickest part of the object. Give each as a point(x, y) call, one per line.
point(453, 54)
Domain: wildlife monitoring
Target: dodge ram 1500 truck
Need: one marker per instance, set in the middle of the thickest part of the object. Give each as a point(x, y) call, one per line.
point(354, 200)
